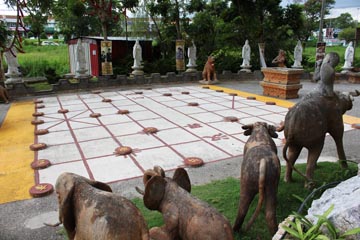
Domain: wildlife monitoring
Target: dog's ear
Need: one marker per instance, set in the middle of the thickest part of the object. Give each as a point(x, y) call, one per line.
point(182, 179)
point(248, 129)
point(272, 131)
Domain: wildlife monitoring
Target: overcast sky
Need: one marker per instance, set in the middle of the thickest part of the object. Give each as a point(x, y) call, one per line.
point(338, 4)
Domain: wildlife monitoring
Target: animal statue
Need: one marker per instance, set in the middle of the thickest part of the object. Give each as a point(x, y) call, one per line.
point(4, 95)
point(306, 125)
point(209, 73)
point(260, 173)
point(185, 216)
point(280, 59)
point(89, 210)
point(325, 72)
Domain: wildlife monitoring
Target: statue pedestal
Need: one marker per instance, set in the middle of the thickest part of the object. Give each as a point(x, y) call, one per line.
point(12, 79)
point(346, 69)
point(246, 69)
point(191, 68)
point(137, 70)
point(281, 82)
point(81, 73)
point(353, 77)
point(297, 67)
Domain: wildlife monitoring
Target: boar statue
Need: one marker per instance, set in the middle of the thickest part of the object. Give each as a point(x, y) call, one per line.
point(306, 125)
point(185, 216)
point(260, 173)
point(89, 210)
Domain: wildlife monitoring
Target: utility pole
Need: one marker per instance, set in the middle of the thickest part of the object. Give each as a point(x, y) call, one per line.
point(320, 45)
point(320, 39)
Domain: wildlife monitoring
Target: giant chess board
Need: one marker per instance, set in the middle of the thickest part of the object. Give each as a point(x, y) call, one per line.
point(190, 121)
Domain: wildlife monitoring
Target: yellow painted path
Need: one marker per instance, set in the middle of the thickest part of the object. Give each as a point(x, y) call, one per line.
point(279, 102)
point(17, 134)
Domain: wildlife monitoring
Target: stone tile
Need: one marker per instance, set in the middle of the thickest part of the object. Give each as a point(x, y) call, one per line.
point(60, 153)
point(175, 136)
point(163, 156)
point(50, 174)
point(140, 141)
point(98, 147)
point(56, 138)
point(207, 117)
point(125, 128)
point(200, 149)
point(85, 134)
point(113, 168)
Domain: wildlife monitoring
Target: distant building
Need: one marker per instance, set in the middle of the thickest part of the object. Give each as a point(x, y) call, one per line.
point(10, 21)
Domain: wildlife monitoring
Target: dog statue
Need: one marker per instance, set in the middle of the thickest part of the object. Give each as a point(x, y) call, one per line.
point(209, 73)
point(260, 174)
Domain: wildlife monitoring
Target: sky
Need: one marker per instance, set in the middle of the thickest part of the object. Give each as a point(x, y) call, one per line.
point(341, 6)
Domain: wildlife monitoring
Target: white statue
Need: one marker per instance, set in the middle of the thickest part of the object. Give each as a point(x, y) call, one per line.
point(298, 55)
point(192, 55)
point(246, 52)
point(137, 54)
point(12, 62)
point(349, 56)
point(80, 55)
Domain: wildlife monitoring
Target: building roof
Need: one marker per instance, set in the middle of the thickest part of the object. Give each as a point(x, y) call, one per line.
point(113, 38)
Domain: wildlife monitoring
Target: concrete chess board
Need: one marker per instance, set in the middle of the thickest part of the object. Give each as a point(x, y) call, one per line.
point(191, 122)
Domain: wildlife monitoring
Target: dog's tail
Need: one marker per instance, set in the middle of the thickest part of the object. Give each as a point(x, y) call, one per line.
point(291, 165)
point(262, 176)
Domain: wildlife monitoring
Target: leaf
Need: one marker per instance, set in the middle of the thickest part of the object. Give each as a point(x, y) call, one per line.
point(291, 231)
point(351, 232)
point(299, 227)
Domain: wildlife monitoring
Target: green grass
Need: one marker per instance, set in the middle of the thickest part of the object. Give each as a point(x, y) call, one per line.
point(224, 196)
point(37, 59)
point(309, 57)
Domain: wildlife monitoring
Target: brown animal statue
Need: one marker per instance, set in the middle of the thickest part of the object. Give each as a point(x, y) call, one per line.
point(280, 59)
point(209, 73)
point(185, 216)
point(306, 125)
point(89, 210)
point(260, 173)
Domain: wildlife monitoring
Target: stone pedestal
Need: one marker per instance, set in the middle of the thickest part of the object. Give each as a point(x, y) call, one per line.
point(281, 82)
point(346, 69)
point(353, 77)
point(191, 68)
point(13, 80)
point(81, 72)
point(246, 69)
point(137, 70)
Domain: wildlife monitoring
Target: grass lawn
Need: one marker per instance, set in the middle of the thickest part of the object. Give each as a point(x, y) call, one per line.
point(224, 196)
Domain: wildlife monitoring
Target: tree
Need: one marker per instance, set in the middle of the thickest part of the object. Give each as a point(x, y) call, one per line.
point(347, 34)
point(73, 20)
point(36, 20)
point(312, 9)
point(345, 20)
point(78, 17)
